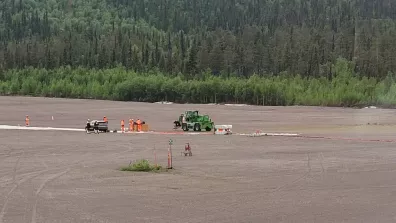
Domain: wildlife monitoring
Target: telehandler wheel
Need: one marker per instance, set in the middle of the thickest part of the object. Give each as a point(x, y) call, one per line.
point(197, 127)
point(208, 129)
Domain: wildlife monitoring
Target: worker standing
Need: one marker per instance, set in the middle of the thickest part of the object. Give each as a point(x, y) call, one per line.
point(187, 148)
point(139, 125)
point(122, 126)
point(27, 121)
point(130, 125)
point(105, 119)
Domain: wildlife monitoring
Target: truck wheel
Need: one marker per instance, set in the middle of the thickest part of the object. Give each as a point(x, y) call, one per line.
point(208, 129)
point(197, 127)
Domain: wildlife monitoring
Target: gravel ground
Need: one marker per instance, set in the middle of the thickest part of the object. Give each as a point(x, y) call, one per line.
point(74, 177)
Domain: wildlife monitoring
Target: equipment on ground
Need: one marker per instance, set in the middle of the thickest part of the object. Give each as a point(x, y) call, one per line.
point(223, 130)
point(96, 126)
point(192, 120)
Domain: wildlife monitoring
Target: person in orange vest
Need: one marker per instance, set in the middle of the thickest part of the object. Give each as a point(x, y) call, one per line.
point(130, 125)
point(139, 125)
point(122, 125)
point(27, 120)
point(105, 119)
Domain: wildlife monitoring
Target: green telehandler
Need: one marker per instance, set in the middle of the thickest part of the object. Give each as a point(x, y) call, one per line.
point(194, 121)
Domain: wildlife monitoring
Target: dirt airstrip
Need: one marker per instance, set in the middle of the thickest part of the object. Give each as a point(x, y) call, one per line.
point(57, 176)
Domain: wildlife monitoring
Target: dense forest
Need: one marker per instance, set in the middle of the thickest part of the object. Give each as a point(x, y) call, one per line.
point(196, 41)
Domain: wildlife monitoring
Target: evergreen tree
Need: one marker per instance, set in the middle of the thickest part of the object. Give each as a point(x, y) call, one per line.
point(192, 64)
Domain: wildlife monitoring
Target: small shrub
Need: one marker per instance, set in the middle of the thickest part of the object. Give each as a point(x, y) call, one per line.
point(141, 166)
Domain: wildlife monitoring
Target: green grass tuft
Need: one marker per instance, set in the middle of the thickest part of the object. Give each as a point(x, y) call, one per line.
point(142, 166)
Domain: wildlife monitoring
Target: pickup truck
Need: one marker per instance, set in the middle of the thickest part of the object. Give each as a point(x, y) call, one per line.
point(101, 126)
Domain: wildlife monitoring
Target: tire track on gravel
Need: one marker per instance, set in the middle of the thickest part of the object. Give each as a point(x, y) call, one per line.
point(15, 186)
point(321, 159)
point(34, 212)
point(28, 176)
point(16, 165)
point(23, 180)
point(280, 188)
point(267, 190)
point(8, 153)
point(32, 175)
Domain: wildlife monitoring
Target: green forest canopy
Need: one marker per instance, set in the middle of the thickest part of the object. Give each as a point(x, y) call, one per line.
point(193, 38)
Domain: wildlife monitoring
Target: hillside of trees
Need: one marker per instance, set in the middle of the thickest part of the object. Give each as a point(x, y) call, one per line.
point(191, 39)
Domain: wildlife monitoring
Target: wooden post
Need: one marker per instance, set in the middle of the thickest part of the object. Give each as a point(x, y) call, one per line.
point(170, 154)
point(155, 157)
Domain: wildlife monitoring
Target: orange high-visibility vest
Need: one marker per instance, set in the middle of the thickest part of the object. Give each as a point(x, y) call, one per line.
point(122, 123)
point(130, 125)
point(27, 121)
point(105, 119)
point(139, 124)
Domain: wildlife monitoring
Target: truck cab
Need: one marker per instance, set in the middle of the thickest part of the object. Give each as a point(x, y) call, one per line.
point(191, 115)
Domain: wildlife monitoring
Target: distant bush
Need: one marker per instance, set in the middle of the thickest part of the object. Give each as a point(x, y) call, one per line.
point(141, 166)
point(343, 88)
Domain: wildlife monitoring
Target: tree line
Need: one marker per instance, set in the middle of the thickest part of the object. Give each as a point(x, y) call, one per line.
point(192, 38)
point(346, 88)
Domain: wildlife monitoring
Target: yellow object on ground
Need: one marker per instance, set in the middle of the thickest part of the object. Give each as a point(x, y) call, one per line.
point(145, 128)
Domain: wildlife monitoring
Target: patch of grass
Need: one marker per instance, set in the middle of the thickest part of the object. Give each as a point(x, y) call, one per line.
point(142, 166)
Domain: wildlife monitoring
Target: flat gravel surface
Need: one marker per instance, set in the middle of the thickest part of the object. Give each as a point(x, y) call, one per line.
point(343, 175)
